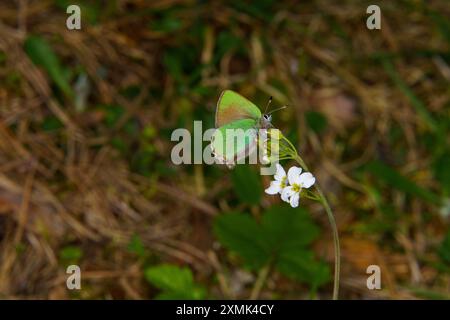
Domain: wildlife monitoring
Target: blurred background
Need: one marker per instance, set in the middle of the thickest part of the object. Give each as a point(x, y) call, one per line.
point(86, 178)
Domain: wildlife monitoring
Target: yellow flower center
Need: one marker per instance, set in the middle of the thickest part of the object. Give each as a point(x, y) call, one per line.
point(297, 188)
point(283, 182)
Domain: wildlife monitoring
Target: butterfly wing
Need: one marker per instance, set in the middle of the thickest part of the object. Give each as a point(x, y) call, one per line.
point(234, 141)
point(232, 106)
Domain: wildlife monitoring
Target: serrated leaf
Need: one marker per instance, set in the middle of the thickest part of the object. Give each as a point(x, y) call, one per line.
point(174, 282)
point(281, 239)
point(247, 184)
point(302, 266)
point(288, 228)
point(241, 234)
point(42, 54)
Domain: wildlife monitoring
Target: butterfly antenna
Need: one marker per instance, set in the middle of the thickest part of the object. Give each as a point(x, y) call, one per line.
point(281, 108)
point(268, 104)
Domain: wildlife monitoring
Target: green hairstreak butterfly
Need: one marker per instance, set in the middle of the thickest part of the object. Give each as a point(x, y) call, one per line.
point(236, 115)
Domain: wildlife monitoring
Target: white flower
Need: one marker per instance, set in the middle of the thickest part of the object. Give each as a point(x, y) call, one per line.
point(279, 183)
point(297, 181)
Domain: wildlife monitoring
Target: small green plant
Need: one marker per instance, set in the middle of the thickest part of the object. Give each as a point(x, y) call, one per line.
point(280, 241)
point(70, 255)
point(175, 283)
point(42, 54)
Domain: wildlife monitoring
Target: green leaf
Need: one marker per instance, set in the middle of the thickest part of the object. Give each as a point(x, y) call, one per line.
point(247, 184)
point(112, 113)
point(136, 246)
point(281, 239)
point(166, 24)
point(42, 54)
point(241, 234)
point(396, 180)
point(302, 266)
point(70, 254)
point(286, 228)
point(174, 282)
point(316, 121)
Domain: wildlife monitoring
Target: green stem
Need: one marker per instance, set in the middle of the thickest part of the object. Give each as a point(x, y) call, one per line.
point(337, 251)
point(262, 276)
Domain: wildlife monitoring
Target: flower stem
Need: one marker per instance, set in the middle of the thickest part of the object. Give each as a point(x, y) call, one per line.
point(337, 251)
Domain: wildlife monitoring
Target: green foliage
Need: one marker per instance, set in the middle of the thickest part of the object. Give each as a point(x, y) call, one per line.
point(137, 247)
point(247, 184)
point(227, 41)
point(112, 113)
point(174, 282)
point(90, 10)
point(441, 170)
point(51, 123)
point(316, 121)
point(241, 234)
point(70, 254)
point(396, 180)
point(303, 267)
point(281, 239)
point(183, 64)
point(42, 54)
point(167, 23)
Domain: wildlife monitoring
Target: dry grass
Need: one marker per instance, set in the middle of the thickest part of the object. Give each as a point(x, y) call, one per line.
point(72, 187)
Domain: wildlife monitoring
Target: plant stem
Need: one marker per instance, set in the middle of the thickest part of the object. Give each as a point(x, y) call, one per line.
point(337, 251)
point(262, 276)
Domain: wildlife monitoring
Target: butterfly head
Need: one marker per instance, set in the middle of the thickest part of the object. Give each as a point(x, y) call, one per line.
point(266, 120)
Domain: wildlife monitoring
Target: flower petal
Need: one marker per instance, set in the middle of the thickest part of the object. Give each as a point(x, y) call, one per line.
point(286, 193)
point(274, 188)
point(306, 180)
point(294, 200)
point(280, 174)
point(293, 175)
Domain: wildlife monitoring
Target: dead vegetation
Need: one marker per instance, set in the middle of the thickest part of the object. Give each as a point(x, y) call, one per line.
point(75, 173)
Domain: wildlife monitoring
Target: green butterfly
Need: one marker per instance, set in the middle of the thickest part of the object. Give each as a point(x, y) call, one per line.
point(235, 112)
